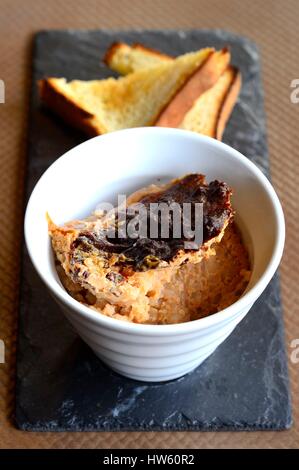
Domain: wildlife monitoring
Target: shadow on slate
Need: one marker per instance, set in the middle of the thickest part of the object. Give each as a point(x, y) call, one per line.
point(61, 385)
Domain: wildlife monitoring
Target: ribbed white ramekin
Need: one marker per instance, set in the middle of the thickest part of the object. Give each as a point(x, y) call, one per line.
point(118, 163)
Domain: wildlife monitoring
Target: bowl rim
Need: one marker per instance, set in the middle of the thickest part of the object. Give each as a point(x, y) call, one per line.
point(178, 328)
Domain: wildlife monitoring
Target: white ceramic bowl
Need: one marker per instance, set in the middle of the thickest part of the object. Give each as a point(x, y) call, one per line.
point(121, 162)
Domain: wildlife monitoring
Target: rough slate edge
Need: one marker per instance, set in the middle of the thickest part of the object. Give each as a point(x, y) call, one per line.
point(67, 418)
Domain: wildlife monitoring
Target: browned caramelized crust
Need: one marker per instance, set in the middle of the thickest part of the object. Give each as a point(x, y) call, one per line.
point(148, 252)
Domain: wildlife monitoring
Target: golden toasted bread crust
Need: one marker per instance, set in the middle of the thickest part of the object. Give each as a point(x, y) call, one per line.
point(107, 59)
point(65, 107)
point(228, 102)
point(116, 46)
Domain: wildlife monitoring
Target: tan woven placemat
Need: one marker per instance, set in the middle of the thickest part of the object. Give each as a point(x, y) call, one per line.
point(273, 25)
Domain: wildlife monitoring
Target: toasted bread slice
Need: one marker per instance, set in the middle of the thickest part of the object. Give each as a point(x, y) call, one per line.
point(213, 108)
point(126, 59)
point(101, 106)
point(210, 112)
point(201, 81)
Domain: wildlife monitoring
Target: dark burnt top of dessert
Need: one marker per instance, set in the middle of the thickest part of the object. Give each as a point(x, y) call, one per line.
point(147, 250)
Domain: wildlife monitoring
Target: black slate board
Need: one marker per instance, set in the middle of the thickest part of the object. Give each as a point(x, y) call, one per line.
point(61, 385)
